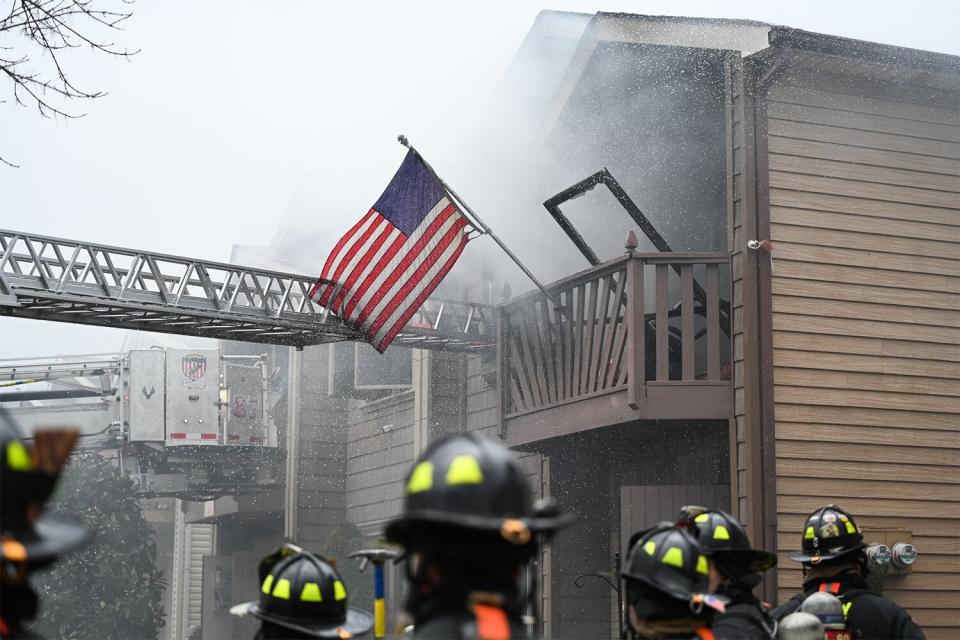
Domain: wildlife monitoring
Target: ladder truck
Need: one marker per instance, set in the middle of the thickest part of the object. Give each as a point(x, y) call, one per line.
point(188, 423)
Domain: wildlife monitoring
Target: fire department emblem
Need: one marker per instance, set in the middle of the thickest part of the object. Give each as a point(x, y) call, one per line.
point(194, 366)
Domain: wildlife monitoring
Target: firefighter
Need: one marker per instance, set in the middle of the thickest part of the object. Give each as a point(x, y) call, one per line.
point(31, 539)
point(470, 530)
point(735, 569)
point(303, 596)
point(667, 585)
point(834, 560)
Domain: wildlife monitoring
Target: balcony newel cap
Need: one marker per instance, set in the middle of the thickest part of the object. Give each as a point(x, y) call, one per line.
point(631, 244)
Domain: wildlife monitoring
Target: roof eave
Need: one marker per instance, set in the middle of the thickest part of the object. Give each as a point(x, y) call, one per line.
point(789, 38)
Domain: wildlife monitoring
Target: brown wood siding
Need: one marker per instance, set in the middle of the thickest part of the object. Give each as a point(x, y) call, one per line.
point(865, 219)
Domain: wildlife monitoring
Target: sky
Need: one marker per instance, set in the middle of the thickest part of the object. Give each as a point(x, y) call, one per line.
point(207, 132)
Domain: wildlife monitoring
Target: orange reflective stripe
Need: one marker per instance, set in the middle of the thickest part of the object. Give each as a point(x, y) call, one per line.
point(704, 633)
point(492, 623)
point(833, 587)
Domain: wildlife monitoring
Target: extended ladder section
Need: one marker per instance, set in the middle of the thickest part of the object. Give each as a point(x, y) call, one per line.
point(81, 282)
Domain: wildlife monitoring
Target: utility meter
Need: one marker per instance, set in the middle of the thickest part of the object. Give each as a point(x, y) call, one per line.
point(904, 554)
point(879, 554)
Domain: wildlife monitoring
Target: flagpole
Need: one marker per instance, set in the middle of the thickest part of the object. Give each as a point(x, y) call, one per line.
point(475, 219)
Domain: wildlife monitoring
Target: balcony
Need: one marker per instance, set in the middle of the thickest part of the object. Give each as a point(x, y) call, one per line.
point(636, 338)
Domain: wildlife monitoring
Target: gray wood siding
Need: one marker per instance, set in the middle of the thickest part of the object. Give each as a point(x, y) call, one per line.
point(865, 219)
point(378, 461)
point(320, 486)
point(481, 398)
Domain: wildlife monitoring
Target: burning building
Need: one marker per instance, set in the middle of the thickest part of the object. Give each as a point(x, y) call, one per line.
point(781, 332)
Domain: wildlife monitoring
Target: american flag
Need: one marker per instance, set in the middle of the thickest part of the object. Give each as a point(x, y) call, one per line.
point(387, 264)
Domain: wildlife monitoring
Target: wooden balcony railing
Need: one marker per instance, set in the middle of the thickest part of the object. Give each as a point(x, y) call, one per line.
point(620, 329)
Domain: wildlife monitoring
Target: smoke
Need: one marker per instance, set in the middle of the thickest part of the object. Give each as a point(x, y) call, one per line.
point(576, 99)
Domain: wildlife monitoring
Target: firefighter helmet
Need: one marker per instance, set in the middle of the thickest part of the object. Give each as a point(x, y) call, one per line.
point(829, 533)
point(469, 482)
point(669, 559)
point(800, 626)
point(28, 475)
point(302, 592)
point(722, 537)
point(827, 607)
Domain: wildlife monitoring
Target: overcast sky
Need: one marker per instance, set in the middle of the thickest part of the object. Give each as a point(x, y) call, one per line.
point(206, 132)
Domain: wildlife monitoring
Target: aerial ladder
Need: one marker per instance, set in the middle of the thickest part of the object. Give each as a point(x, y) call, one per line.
point(62, 280)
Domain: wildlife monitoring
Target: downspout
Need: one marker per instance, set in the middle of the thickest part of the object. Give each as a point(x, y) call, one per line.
point(291, 502)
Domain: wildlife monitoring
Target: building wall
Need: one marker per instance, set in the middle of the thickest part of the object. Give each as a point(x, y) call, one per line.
point(323, 440)
point(864, 214)
point(481, 388)
point(377, 461)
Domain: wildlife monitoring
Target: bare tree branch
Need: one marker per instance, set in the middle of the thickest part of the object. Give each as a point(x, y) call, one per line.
point(39, 32)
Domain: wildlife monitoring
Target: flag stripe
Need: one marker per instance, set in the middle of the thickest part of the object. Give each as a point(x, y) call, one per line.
point(374, 306)
point(335, 254)
point(417, 283)
point(410, 285)
point(424, 294)
point(389, 236)
point(336, 250)
point(375, 279)
point(357, 235)
point(374, 276)
point(355, 253)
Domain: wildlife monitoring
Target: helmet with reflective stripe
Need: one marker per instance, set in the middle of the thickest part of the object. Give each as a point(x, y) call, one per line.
point(302, 592)
point(669, 559)
point(31, 537)
point(829, 533)
point(470, 482)
point(722, 537)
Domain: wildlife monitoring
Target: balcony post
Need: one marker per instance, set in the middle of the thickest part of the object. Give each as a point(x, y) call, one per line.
point(636, 383)
point(503, 371)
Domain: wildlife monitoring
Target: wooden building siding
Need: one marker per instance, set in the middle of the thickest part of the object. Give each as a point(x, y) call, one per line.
point(864, 206)
point(482, 395)
point(321, 508)
point(378, 461)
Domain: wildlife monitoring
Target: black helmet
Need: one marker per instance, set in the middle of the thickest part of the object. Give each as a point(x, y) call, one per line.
point(669, 559)
point(829, 533)
point(302, 592)
point(470, 482)
point(28, 475)
point(721, 536)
